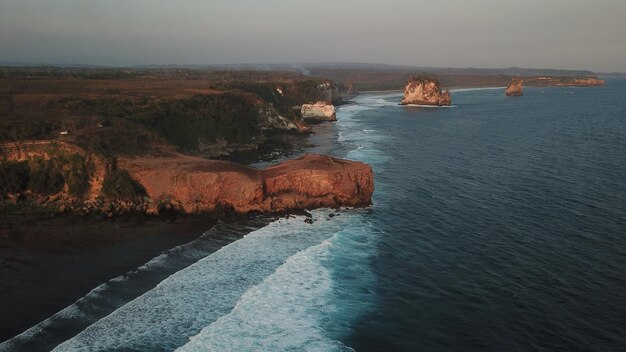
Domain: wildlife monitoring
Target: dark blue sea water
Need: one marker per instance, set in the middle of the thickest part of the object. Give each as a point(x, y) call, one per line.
point(502, 225)
point(498, 224)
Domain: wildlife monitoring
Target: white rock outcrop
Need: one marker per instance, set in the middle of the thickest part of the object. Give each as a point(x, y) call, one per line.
point(318, 112)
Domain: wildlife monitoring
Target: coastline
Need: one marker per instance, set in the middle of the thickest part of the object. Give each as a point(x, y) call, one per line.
point(63, 259)
point(37, 251)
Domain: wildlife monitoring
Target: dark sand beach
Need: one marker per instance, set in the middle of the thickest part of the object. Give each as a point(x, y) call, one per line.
point(50, 263)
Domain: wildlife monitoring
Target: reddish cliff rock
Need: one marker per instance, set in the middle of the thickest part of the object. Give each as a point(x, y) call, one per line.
point(587, 82)
point(425, 91)
point(514, 88)
point(318, 112)
point(199, 185)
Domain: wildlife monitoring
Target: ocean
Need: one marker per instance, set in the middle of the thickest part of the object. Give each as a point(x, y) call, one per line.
point(497, 224)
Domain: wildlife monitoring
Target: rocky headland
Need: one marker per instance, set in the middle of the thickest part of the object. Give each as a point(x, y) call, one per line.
point(49, 176)
point(514, 88)
point(195, 185)
point(318, 112)
point(425, 91)
point(134, 142)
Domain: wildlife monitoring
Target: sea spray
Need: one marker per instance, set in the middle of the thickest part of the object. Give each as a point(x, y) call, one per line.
point(191, 299)
point(113, 294)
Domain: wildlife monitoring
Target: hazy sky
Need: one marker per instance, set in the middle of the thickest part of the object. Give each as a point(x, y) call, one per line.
point(573, 34)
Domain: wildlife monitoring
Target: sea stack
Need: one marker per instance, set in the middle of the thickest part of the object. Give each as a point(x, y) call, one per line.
point(515, 88)
point(318, 112)
point(425, 91)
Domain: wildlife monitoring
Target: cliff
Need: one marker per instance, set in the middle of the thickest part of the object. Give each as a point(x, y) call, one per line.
point(425, 91)
point(329, 92)
point(196, 185)
point(514, 88)
point(318, 112)
point(186, 184)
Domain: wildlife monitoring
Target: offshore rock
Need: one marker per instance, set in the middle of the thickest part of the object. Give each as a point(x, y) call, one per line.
point(514, 88)
point(197, 185)
point(318, 112)
point(425, 91)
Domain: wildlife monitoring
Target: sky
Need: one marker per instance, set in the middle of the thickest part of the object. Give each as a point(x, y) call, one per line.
point(564, 34)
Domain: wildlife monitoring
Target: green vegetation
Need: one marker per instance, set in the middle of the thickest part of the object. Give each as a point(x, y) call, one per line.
point(76, 175)
point(14, 177)
point(145, 111)
point(186, 123)
point(26, 130)
point(203, 119)
point(119, 185)
point(45, 178)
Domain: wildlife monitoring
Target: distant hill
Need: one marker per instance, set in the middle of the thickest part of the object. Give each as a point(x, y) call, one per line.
point(306, 67)
point(511, 71)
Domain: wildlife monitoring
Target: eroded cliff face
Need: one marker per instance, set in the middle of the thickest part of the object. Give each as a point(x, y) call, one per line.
point(425, 91)
point(514, 88)
point(196, 185)
point(318, 112)
point(270, 119)
point(329, 93)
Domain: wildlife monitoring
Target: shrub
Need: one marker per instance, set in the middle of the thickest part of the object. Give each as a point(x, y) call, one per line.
point(14, 176)
point(119, 185)
point(45, 178)
point(192, 122)
point(76, 175)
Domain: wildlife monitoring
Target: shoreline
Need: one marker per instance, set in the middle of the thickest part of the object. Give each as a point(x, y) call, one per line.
point(72, 255)
point(37, 251)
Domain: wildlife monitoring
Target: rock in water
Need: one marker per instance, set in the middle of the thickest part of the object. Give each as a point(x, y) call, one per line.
point(515, 88)
point(425, 91)
point(318, 112)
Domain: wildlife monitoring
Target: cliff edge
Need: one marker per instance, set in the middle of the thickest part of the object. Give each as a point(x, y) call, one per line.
point(196, 185)
point(425, 91)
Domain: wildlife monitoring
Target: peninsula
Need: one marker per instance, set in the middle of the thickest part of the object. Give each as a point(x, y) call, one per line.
point(140, 141)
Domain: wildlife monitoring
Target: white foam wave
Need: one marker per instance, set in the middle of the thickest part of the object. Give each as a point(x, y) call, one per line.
point(191, 299)
point(352, 130)
point(431, 106)
point(112, 294)
point(283, 313)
